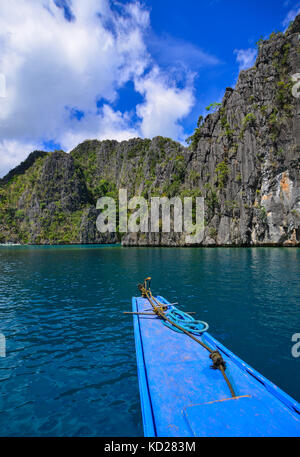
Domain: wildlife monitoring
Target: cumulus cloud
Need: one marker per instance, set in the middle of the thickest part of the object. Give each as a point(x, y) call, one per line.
point(106, 125)
point(61, 58)
point(164, 105)
point(245, 58)
point(52, 65)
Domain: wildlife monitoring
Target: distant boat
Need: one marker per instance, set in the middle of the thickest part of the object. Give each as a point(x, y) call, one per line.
point(182, 396)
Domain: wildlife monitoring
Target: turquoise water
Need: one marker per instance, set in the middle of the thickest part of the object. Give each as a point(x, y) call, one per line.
point(70, 368)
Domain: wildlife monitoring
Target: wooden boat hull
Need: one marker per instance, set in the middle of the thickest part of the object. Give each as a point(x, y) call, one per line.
point(181, 396)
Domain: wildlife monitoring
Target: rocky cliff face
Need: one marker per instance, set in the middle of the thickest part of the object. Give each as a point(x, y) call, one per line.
point(247, 153)
point(243, 158)
point(51, 198)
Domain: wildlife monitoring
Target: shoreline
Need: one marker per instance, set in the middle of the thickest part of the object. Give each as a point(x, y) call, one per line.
point(210, 246)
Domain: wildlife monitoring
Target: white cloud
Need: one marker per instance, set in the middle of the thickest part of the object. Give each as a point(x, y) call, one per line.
point(53, 66)
point(164, 105)
point(107, 125)
point(245, 58)
point(50, 63)
point(291, 15)
point(12, 153)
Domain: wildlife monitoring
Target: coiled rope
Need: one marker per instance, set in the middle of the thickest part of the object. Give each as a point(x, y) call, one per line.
point(185, 321)
point(161, 311)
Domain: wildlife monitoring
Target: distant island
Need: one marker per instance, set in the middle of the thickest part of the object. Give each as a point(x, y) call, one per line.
point(243, 158)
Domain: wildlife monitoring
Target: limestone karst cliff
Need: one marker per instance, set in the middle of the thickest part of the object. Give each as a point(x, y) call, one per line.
point(243, 158)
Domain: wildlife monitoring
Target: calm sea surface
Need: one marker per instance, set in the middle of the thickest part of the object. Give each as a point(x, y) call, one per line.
point(70, 368)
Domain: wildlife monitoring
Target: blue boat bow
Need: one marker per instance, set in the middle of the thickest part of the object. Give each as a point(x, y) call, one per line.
point(181, 396)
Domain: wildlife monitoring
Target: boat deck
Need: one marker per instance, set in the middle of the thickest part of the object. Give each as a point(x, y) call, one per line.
point(182, 396)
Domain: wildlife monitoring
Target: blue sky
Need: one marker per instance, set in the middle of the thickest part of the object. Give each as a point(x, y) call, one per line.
point(217, 28)
point(118, 69)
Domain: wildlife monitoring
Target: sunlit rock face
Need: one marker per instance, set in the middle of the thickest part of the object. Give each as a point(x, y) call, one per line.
point(255, 136)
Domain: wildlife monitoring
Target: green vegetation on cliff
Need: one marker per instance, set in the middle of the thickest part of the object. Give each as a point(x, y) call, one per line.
point(243, 158)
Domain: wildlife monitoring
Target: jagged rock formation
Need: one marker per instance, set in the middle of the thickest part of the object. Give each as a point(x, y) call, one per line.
point(243, 158)
point(247, 152)
point(54, 200)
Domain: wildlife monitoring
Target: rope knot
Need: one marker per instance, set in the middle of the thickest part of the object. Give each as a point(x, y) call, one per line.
point(217, 360)
point(142, 290)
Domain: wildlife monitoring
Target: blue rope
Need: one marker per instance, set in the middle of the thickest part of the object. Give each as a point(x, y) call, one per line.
point(184, 320)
